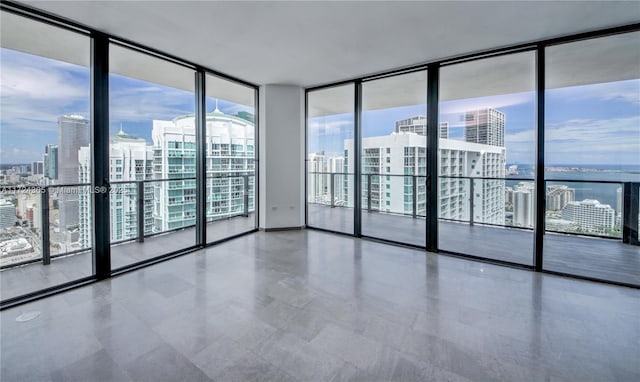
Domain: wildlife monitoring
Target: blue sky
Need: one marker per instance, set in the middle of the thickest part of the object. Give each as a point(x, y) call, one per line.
point(36, 91)
point(591, 124)
point(594, 124)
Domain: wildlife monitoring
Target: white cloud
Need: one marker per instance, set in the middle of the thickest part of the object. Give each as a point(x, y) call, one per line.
point(527, 136)
point(232, 108)
point(31, 83)
point(627, 91)
point(608, 140)
point(594, 130)
point(146, 103)
point(13, 154)
point(496, 102)
point(35, 91)
point(329, 128)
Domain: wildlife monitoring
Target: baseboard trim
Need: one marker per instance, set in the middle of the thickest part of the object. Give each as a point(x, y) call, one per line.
point(282, 229)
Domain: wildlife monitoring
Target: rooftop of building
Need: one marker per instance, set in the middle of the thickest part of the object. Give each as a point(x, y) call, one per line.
point(591, 202)
point(75, 116)
point(216, 113)
point(122, 136)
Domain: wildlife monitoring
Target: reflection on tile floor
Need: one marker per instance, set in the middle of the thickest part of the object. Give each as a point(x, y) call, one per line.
point(591, 257)
point(307, 305)
point(25, 279)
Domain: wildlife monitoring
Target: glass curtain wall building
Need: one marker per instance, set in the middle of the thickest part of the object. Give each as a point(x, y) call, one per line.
point(58, 112)
point(536, 156)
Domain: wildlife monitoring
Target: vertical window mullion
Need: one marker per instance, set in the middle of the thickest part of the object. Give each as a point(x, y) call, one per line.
point(100, 154)
point(540, 192)
point(433, 83)
point(201, 158)
point(357, 144)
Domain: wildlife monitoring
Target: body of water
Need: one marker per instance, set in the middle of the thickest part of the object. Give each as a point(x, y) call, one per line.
point(603, 192)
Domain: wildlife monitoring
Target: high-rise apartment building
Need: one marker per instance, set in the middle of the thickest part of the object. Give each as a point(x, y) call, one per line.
point(590, 215)
point(130, 159)
point(230, 168)
point(7, 214)
point(73, 133)
point(417, 124)
point(558, 196)
point(335, 166)
point(322, 172)
point(521, 197)
point(318, 181)
point(485, 125)
point(523, 208)
point(620, 207)
point(50, 159)
point(404, 153)
point(444, 130)
point(386, 159)
point(37, 168)
point(474, 160)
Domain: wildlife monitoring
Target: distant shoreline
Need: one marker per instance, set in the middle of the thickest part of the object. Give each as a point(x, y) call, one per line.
point(587, 169)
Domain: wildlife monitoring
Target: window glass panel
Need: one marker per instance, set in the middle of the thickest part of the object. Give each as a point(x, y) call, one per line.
point(592, 152)
point(394, 139)
point(486, 158)
point(330, 173)
point(151, 155)
point(44, 124)
point(230, 167)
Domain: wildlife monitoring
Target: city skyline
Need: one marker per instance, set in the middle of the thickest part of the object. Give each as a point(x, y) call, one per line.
point(492, 215)
point(168, 205)
point(393, 164)
point(577, 117)
point(37, 90)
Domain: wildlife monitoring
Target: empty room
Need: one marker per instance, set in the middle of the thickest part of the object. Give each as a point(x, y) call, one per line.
point(319, 191)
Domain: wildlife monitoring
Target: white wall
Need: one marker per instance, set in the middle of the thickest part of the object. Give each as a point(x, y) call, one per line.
point(281, 136)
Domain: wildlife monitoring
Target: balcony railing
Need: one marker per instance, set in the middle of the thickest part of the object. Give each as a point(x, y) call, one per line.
point(483, 200)
point(333, 197)
point(137, 214)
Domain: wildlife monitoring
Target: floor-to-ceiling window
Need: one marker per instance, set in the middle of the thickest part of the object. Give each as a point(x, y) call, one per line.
point(486, 158)
point(393, 158)
point(230, 158)
point(494, 142)
point(592, 156)
point(45, 123)
point(62, 109)
point(330, 158)
point(152, 156)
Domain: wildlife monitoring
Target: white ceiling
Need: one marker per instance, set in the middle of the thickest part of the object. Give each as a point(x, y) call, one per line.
point(309, 43)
